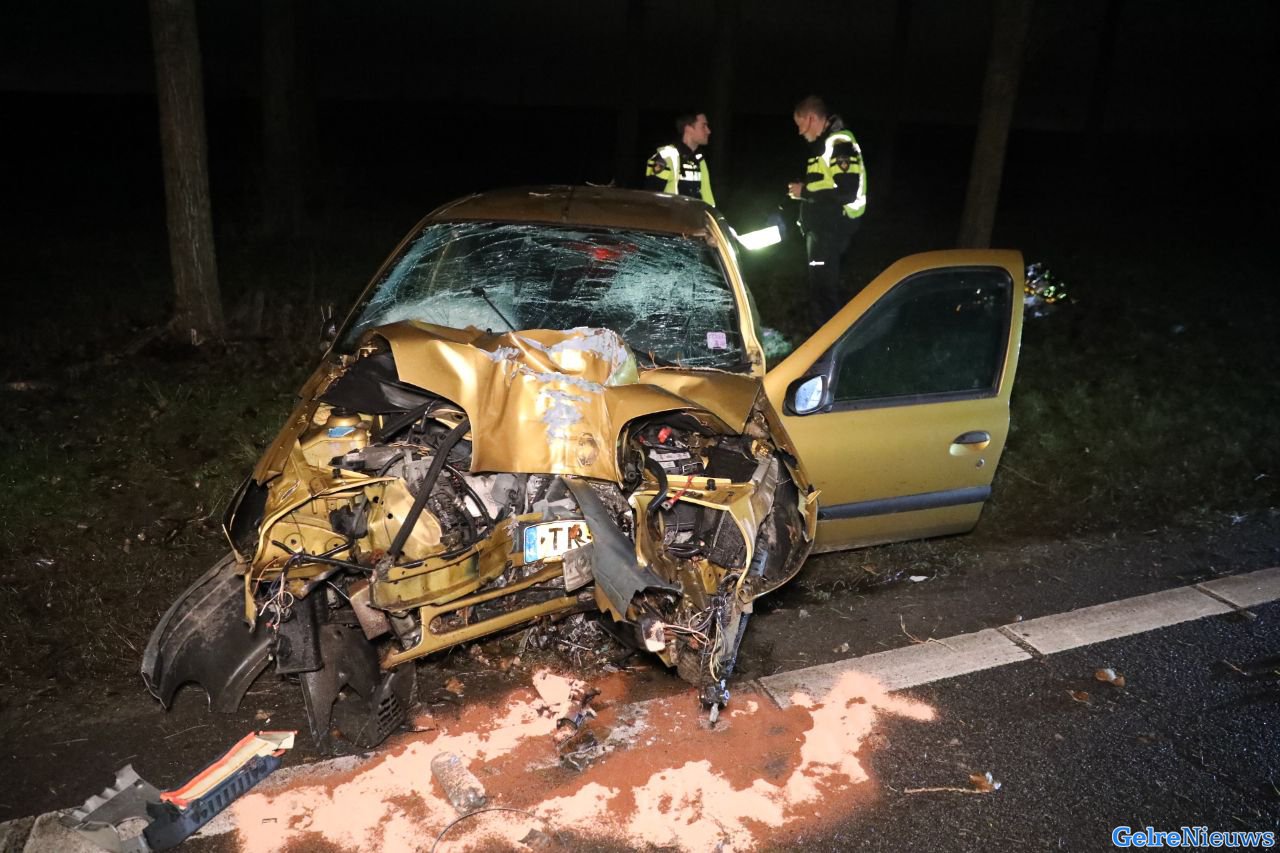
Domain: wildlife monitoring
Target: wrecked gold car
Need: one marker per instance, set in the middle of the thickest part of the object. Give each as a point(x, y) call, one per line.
point(555, 401)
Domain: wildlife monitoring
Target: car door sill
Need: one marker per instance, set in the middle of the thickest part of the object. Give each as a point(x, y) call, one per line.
point(905, 503)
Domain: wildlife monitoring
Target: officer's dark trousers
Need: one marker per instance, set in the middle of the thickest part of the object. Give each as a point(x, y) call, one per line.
point(825, 248)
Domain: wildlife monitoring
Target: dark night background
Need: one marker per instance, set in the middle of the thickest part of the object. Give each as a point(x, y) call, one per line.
point(1141, 167)
point(408, 104)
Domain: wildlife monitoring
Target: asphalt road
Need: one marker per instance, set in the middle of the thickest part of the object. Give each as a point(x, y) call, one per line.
point(1193, 739)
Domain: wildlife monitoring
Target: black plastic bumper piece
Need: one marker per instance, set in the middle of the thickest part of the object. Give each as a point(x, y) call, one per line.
point(203, 638)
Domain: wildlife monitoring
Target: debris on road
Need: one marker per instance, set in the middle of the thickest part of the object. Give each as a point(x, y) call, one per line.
point(580, 749)
point(983, 783)
point(660, 779)
point(133, 816)
point(566, 700)
point(461, 787)
point(1109, 676)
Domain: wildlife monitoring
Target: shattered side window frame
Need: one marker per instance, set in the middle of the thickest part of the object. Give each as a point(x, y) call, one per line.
point(559, 276)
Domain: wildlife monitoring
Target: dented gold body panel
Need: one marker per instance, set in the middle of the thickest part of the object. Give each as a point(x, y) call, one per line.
point(538, 402)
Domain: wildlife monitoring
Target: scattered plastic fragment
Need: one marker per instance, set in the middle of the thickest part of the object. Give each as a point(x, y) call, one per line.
point(251, 746)
point(918, 578)
point(1079, 695)
point(170, 817)
point(461, 787)
point(104, 818)
point(983, 783)
point(1109, 676)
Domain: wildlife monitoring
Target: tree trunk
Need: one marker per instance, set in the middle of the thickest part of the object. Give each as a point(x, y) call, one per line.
point(999, 94)
point(628, 166)
point(197, 309)
point(282, 160)
point(726, 24)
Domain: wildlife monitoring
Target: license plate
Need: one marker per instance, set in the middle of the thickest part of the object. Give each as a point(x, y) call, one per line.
point(553, 538)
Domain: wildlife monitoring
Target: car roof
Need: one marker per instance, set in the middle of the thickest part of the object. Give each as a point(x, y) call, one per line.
point(600, 207)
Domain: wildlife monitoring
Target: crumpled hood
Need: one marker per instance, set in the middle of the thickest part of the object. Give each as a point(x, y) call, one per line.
point(539, 401)
point(548, 401)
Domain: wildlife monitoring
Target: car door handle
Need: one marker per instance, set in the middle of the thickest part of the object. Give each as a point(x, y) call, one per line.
point(976, 440)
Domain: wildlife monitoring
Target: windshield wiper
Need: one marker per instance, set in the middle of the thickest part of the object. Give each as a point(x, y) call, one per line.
point(655, 360)
point(479, 291)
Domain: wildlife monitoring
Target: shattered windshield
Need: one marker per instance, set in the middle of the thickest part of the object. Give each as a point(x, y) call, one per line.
point(666, 295)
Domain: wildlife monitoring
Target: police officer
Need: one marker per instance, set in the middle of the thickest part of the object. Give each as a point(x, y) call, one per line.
point(833, 197)
point(681, 169)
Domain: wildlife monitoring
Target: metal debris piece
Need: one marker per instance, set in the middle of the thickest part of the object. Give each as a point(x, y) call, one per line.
point(112, 819)
point(580, 750)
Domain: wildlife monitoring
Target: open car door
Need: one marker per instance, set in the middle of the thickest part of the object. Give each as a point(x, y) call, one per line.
point(899, 405)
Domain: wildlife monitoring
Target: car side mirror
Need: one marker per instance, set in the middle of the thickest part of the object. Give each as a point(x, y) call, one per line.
point(807, 395)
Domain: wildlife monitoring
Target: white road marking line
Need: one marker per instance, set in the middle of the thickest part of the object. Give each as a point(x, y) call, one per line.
point(1247, 590)
point(897, 669)
point(1089, 625)
point(902, 668)
point(935, 660)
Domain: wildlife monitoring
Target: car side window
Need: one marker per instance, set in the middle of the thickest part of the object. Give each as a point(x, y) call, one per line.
point(938, 334)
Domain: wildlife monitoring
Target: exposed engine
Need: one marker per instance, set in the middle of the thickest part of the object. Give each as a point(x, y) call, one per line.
point(385, 537)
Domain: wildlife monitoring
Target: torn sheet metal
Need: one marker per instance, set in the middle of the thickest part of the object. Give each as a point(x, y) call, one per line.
point(556, 401)
point(618, 575)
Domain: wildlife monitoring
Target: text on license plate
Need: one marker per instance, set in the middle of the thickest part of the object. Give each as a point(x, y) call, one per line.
point(553, 538)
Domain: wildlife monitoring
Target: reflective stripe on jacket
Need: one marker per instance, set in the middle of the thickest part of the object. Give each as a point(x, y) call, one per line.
point(681, 175)
point(840, 156)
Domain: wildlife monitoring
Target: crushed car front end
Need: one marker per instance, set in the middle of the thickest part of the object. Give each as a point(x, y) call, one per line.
point(439, 483)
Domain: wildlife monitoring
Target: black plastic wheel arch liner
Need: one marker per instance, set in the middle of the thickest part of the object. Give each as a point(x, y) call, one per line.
point(351, 692)
point(203, 639)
